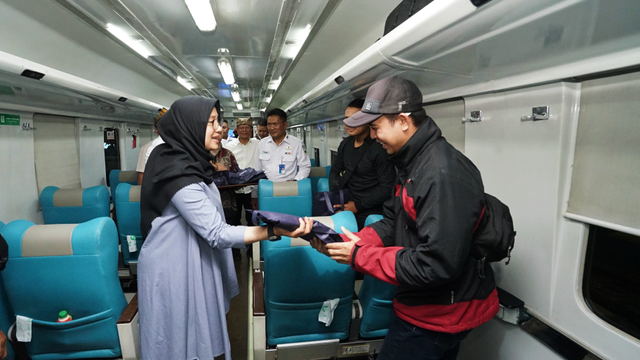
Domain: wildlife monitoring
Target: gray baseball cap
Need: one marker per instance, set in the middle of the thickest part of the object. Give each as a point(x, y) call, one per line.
point(392, 95)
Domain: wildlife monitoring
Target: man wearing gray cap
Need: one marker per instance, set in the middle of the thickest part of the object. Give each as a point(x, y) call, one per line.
point(423, 244)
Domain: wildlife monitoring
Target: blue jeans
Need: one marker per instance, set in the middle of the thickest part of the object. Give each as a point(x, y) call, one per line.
point(409, 342)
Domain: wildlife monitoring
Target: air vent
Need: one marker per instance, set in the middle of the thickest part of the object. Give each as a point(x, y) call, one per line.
point(32, 74)
point(241, 114)
point(122, 99)
point(339, 80)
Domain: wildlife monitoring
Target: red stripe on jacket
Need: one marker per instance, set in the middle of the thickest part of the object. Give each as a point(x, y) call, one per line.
point(373, 258)
point(407, 203)
point(450, 318)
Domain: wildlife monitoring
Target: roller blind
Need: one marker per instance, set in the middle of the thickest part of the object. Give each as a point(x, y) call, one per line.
point(448, 116)
point(605, 184)
point(56, 152)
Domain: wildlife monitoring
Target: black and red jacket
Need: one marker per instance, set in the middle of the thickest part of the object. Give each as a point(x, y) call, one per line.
point(423, 244)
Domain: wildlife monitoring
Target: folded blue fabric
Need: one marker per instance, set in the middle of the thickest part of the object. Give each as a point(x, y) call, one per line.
point(244, 176)
point(290, 223)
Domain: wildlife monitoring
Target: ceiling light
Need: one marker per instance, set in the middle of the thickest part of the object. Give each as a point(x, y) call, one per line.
point(202, 14)
point(235, 94)
point(186, 83)
point(225, 69)
point(137, 44)
point(268, 99)
point(239, 106)
point(274, 84)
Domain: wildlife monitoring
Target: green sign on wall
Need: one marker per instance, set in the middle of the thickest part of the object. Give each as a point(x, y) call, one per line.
point(8, 119)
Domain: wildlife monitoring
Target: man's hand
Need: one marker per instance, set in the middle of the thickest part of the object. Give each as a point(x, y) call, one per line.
point(338, 251)
point(3, 345)
point(254, 203)
point(350, 206)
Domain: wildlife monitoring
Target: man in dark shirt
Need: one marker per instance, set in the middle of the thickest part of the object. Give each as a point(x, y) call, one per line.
point(363, 167)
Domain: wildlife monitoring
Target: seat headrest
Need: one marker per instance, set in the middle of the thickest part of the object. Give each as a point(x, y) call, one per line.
point(68, 197)
point(287, 188)
point(128, 176)
point(318, 172)
point(27, 239)
point(128, 193)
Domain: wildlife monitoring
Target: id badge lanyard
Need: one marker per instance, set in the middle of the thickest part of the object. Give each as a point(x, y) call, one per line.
point(281, 166)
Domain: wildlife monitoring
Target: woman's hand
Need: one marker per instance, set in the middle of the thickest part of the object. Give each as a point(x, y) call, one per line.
point(303, 229)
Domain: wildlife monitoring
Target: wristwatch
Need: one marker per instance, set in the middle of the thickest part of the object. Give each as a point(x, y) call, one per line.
point(271, 235)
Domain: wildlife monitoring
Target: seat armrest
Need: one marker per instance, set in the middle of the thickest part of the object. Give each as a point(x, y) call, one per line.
point(130, 311)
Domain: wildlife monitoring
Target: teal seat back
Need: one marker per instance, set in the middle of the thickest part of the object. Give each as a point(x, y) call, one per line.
point(127, 203)
point(288, 197)
point(376, 298)
point(118, 176)
point(313, 162)
point(316, 174)
point(323, 184)
point(6, 313)
point(71, 267)
point(74, 206)
point(297, 281)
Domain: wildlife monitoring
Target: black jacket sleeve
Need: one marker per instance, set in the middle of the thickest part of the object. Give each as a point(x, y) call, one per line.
point(4, 253)
point(337, 168)
point(386, 174)
point(447, 210)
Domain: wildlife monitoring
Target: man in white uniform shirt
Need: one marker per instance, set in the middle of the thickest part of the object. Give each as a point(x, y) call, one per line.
point(143, 155)
point(281, 156)
point(244, 149)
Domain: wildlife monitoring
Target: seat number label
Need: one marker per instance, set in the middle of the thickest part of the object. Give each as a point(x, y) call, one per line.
point(355, 349)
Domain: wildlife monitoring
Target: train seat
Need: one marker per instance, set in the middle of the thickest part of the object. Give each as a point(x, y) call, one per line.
point(127, 204)
point(74, 206)
point(70, 267)
point(298, 280)
point(376, 299)
point(118, 176)
point(287, 197)
point(316, 174)
point(313, 162)
point(6, 314)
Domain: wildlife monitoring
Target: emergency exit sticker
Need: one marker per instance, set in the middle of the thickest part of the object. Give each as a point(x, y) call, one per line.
point(8, 119)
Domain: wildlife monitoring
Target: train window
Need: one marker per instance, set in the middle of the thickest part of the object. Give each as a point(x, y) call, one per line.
point(612, 278)
point(316, 155)
point(334, 154)
point(111, 151)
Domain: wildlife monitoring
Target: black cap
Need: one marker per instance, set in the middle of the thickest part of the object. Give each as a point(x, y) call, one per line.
point(392, 95)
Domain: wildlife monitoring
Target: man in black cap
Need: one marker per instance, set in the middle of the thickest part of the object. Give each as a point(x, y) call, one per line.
point(423, 244)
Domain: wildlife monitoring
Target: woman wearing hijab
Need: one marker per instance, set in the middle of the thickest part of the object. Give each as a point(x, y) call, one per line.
point(186, 275)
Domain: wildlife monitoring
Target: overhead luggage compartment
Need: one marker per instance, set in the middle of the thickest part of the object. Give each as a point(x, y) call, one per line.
point(453, 48)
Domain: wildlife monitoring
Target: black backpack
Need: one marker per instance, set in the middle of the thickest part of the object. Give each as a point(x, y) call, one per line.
point(494, 236)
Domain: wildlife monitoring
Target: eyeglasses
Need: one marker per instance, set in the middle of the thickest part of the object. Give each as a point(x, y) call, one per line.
point(215, 123)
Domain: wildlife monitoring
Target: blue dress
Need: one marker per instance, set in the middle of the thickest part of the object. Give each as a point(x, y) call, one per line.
point(186, 278)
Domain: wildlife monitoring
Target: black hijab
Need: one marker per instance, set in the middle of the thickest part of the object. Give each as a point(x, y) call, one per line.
point(182, 160)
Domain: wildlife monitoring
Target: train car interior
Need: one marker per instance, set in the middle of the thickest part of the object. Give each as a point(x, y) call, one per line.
point(539, 95)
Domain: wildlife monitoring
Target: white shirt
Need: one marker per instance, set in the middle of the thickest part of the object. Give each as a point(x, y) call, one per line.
point(224, 142)
point(157, 141)
point(245, 156)
point(142, 157)
point(287, 161)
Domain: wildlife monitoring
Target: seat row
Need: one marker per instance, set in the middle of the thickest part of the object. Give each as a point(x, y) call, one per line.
point(70, 267)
